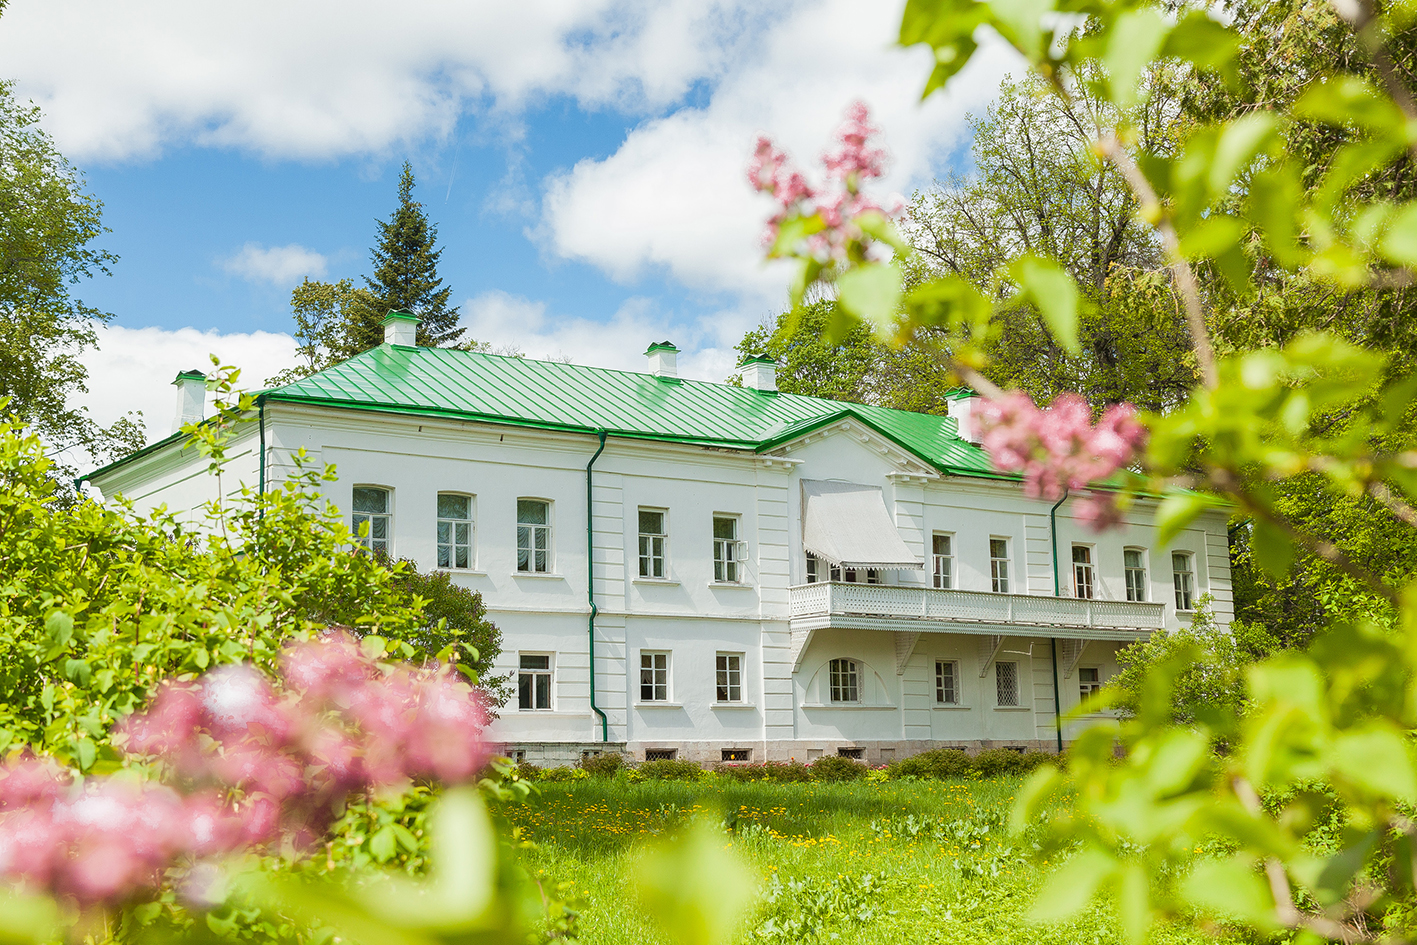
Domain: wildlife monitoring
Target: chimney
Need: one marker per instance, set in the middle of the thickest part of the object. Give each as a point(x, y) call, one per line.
point(400, 328)
point(760, 373)
point(661, 359)
point(964, 407)
point(191, 399)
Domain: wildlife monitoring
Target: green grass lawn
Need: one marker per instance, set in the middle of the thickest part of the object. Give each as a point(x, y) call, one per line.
point(925, 861)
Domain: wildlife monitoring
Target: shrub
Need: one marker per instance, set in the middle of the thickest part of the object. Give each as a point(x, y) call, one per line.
point(669, 769)
point(603, 765)
point(786, 771)
point(937, 763)
point(1002, 761)
point(837, 768)
point(741, 772)
point(562, 773)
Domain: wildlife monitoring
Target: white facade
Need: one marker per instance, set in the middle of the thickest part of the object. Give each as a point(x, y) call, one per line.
point(963, 666)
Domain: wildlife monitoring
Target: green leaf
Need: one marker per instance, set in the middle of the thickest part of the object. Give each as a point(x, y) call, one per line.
point(876, 224)
point(60, 627)
point(1178, 510)
point(1230, 888)
point(1276, 194)
point(1135, 38)
point(381, 845)
point(28, 919)
point(1378, 759)
point(872, 293)
point(1198, 39)
point(1072, 886)
point(1350, 100)
point(1053, 292)
point(85, 752)
point(1040, 787)
point(695, 887)
point(1399, 243)
point(1134, 902)
point(1237, 146)
point(77, 671)
point(1273, 548)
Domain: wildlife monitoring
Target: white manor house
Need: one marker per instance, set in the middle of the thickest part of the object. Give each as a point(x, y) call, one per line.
point(712, 572)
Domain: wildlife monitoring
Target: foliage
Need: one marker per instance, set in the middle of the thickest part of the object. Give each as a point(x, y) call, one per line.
point(946, 763)
point(1213, 678)
point(810, 909)
point(454, 622)
point(604, 764)
point(324, 312)
point(48, 225)
point(667, 769)
point(406, 277)
point(782, 771)
point(837, 768)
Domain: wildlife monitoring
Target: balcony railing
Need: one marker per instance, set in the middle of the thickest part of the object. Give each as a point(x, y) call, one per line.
point(924, 603)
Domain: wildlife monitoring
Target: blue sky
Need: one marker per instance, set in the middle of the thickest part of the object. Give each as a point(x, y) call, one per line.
point(583, 160)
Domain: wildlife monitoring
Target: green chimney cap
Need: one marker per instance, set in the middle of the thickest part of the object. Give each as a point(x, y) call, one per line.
point(399, 316)
point(757, 359)
point(193, 375)
point(661, 346)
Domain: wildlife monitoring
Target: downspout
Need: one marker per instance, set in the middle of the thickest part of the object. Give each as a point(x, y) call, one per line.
point(590, 583)
point(261, 424)
point(1057, 592)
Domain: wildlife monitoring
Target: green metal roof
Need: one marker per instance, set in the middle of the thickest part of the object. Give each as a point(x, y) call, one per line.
point(575, 398)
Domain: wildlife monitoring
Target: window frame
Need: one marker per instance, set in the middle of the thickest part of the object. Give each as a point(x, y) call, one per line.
point(470, 522)
point(942, 578)
point(368, 542)
point(1089, 688)
point(645, 560)
point(531, 549)
point(844, 672)
point(536, 673)
point(999, 693)
point(812, 574)
point(999, 566)
point(1084, 573)
point(940, 689)
point(1128, 572)
point(724, 671)
point(1189, 573)
point(656, 684)
point(725, 549)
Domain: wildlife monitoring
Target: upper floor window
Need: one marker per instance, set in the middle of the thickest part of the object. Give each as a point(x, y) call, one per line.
point(999, 564)
point(727, 553)
point(534, 682)
point(454, 530)
point(814, 568)
point(857, 575)
point(729, 682)
point(654, 677)
point(1006, 683)
point(947, 682)
point(1089, 682)
point(1184, 578)
point(844, 677)
point(533, 535)
point(1082, 572)
point(942, 561)
point(373, 519)
point(1134, 564)
point(652, 536)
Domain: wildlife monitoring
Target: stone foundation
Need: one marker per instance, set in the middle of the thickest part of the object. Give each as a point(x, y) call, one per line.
point(710, 753)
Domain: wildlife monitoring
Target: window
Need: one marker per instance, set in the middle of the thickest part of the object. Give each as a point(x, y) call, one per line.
point(999, 564)
point(858, 575)
point(654, 677)
point(856, 754)
point(1082, 572)
point(371, 508)
point(737, 754)
point(1088, 681)
point(1006, 683)
point(660, 754)
point(946, 682)
point(652, 535)
point(1135, 567)
point(942, 562)
point(845, 679)
point(729, 682)
point(1184, 579)
point(534, 682)
point(454, 530)
point(727, 567)
point(814, 569)
point(533, 535)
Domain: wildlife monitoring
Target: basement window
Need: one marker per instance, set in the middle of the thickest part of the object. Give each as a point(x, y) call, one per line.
point(660, 754)
point(737, 754)
point(853, 753)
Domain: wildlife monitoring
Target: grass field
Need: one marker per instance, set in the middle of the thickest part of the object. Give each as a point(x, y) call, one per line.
point(923, 861)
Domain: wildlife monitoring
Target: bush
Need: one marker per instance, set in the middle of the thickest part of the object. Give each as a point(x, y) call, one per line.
point(563, 773)
point(603, 765)
point(669, 769)
point(837, 768)
point(786, 771)
point(937, 763)
point(1004, 761)
point(742, 773)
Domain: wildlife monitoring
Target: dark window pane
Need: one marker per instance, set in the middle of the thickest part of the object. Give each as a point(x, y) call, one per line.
point(543, 691)
point(371, 500)
point(531, 512)
point(454, 506)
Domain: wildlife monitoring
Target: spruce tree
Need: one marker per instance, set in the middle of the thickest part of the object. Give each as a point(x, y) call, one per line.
point(406, 278)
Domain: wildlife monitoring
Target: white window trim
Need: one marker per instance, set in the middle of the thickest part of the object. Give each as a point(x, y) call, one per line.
point(742, 677)
point(550, 672)
point(1091, 566)
point(1145, 573)
point(1008, 563)
point(740, 546)
point(934, 570)
point(958, 679)
point(668, 699)
point(1190, 557)
point(857, 669)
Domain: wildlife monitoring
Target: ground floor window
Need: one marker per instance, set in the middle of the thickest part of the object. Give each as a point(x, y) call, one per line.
point(654, 677)
point(1089, 681)
point(1006, 683)
point(844, 677)
point(534, 682)
point(947, 682)
point(729, 677)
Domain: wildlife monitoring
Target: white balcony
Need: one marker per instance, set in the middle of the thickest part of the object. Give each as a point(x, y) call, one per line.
point(902, 607)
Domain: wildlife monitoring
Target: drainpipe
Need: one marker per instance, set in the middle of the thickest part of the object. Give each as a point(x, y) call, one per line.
point(590, 583)
point(261, 423)
point(1057, 592)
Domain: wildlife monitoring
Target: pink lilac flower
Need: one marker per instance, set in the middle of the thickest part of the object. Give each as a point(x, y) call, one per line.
point(1059, 448)
point(256, 765)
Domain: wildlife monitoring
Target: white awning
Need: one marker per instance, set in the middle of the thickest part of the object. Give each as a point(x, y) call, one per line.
point(847, 524)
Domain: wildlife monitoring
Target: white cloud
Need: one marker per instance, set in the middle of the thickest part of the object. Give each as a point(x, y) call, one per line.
point(674, 196)
point(511, 322)
point(278, 265)
point(320, 79)
point(133, 368)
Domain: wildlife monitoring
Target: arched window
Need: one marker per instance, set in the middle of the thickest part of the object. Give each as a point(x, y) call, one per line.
point(844, 677)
